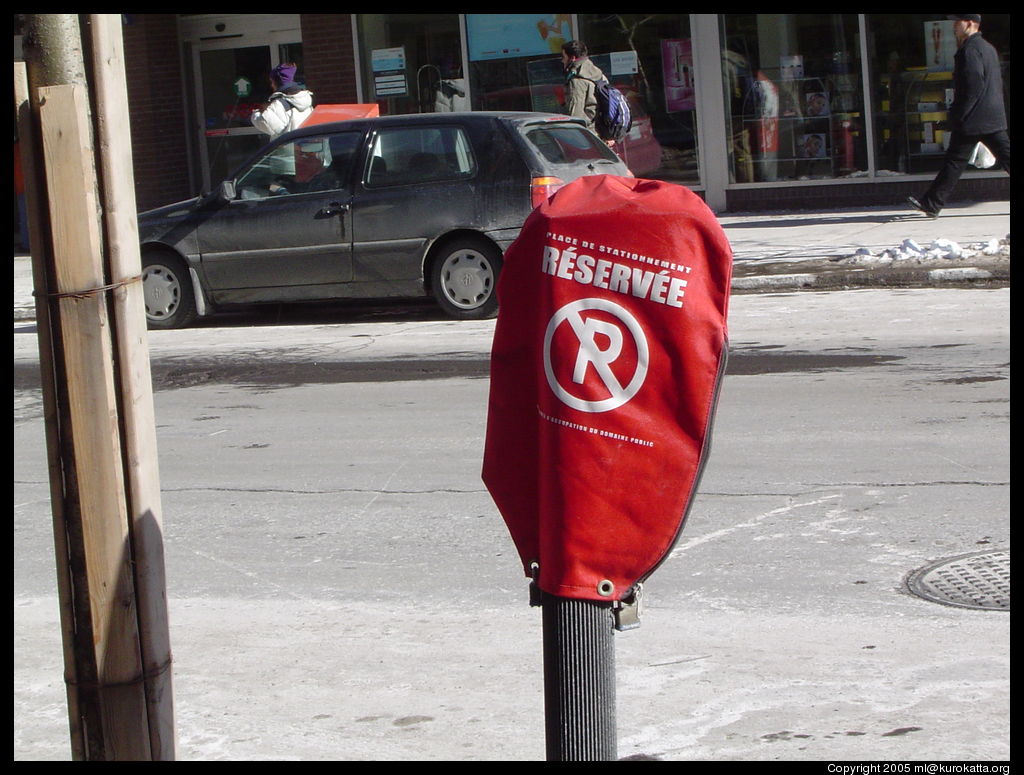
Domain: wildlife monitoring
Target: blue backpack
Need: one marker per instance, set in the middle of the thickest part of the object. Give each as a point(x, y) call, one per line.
point(613, 118)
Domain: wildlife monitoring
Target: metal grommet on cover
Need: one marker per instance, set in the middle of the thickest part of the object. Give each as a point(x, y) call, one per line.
point(605, 588)
point(536, 596)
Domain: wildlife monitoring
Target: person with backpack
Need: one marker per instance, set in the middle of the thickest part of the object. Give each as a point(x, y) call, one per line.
point(581, 76)
point(289, 105)
point(589, 95)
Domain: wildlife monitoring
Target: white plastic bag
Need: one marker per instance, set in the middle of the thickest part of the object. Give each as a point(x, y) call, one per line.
point(982, 157)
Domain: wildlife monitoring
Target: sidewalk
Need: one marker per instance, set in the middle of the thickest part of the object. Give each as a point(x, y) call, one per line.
point(828, 249)
point(870, 247)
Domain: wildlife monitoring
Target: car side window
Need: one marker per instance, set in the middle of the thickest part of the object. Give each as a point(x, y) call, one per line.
point(318, 163)
point(403, 156)
point(335, 170)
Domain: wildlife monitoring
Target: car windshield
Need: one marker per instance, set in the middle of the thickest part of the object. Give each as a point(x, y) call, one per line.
point(568, 143)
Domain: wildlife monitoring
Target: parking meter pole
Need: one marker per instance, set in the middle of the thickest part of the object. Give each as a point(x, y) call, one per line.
point(579, 679)
point(585, 383)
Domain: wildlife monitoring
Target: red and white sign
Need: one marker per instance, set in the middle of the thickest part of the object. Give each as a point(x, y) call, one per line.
point(608, 351)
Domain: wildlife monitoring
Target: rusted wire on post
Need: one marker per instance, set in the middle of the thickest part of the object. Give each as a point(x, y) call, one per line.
point(84, 294)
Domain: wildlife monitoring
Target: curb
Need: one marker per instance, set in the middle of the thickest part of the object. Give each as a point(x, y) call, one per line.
point(829, 276)
point(775, 281)
point(959, 277)
point(964, 273)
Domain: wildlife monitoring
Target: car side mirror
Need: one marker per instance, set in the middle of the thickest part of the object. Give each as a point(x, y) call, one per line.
point(227, 190)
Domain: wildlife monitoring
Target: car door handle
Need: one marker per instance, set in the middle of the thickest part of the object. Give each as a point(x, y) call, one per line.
point(334, 208)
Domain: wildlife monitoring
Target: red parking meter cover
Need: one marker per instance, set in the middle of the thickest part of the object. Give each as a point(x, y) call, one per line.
point(608, 351)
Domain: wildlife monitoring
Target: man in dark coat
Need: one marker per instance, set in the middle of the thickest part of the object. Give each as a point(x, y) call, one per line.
point(977, 115)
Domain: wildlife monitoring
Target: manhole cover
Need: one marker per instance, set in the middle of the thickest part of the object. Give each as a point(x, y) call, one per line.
point(980, 580)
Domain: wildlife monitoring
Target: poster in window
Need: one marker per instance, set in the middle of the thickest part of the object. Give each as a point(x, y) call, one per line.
point(791, 67)
point(816, 104)
point(389, 72)
point(766, 110)
point(622, 63)
point(546, 80)
point(812, 146)
point(939, 46)
point(677, 74)
point(510, 35)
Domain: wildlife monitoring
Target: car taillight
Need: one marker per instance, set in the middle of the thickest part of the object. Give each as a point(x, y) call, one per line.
point(542, 188)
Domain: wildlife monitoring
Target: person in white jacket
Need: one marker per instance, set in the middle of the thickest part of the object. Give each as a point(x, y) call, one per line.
point(289, 105)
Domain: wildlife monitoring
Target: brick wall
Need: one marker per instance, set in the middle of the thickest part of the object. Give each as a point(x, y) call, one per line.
point(329, 58)
point(158, 126)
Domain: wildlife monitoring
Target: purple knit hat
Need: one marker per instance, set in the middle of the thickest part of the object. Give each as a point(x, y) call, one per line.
point(284, 75)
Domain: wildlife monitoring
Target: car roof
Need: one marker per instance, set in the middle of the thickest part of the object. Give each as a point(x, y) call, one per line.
point(405, 119)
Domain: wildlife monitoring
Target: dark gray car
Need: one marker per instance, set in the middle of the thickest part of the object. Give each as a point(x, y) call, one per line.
point(395, 206)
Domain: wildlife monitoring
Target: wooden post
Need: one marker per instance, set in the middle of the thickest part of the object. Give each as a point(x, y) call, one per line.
point(113, 145)
point(35, 201)
point(101, 430)
point(111, 667)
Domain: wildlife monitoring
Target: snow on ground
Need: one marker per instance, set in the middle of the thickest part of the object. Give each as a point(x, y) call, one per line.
point(912, 252)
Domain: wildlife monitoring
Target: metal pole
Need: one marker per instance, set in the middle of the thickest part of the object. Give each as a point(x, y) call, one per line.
point(579, 679)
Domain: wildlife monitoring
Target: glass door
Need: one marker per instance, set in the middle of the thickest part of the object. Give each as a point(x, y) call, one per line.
point(232, 80)
point(412, 62)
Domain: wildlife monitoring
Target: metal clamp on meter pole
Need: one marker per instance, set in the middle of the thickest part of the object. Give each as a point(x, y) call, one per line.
point(608, 353)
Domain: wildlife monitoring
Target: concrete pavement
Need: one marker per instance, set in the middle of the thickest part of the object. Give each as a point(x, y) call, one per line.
point(968, 243)
point(825, 659)
point(342, 588)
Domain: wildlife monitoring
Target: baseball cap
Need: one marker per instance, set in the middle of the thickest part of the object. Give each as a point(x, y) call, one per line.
point(967, 17)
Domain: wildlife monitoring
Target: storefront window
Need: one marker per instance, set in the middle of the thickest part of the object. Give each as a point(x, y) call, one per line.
point(649, 56)
point(911, 66)
point(794, 98)
point(412, 62)
point(515, 60)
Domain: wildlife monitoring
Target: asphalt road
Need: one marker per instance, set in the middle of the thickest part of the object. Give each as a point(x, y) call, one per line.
point(342, 587)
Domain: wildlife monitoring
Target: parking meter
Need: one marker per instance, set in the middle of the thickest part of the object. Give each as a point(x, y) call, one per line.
point(608, 352)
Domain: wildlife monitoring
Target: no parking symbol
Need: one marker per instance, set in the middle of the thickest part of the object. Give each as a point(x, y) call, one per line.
point(599, 343)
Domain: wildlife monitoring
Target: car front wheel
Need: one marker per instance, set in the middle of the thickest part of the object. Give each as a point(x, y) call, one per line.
point(465, 278)
point(167, 290)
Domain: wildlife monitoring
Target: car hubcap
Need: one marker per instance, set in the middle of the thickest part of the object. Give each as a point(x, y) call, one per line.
point(161, 291)
point(467, 279)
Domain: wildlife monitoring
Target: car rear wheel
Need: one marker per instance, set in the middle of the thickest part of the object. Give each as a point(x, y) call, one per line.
point(167, 290)
point(465, 278)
